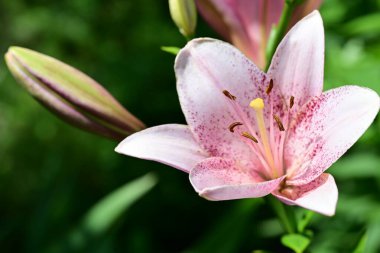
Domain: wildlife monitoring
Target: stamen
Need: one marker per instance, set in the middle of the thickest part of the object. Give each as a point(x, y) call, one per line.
point(291, 101)
point(258, 105)
point(233, 125)
point(249, 136)
point(269, 89)
point(279, 123)
point(229, 95)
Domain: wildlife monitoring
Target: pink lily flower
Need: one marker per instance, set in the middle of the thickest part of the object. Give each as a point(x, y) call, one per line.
point(248, 23)
point(250, 133)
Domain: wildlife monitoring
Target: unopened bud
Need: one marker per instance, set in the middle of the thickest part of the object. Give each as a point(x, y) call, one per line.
point(71, 94)
point(184, 15)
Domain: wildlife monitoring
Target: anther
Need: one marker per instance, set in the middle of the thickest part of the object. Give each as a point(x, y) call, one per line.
point(229, 95)
point(270, 86)
point(291, 101)
point(249, 136)
point(233, 125)
point(279, 123)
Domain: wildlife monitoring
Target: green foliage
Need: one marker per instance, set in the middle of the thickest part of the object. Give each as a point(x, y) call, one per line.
point(368, 25)
point(104, 214)
point(171, 50)
point(51, 174)
point(296, 242)
point(304, 221)
point(228, 232)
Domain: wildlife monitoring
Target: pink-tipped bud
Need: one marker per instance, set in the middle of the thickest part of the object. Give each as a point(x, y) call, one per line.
point(71, 94)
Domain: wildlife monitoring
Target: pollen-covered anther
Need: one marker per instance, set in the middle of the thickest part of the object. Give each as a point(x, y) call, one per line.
point(279, 123)
point(229, 95)
point(270, 87)
point(249, 136)
point(291, 103)
point(233, 125)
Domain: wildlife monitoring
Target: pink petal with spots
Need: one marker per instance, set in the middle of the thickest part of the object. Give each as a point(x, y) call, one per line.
point(204, 69)
point(171, 144)
point(297, 66)
point(246, 23)
point(320, 195)
point(220, 179)
point(326, 128)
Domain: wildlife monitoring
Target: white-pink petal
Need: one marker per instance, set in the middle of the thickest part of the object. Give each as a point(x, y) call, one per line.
point(326, 128)
point(222, 179)
point(171, 144)
point(320, 195)
point(298, 64)
point(204, 69)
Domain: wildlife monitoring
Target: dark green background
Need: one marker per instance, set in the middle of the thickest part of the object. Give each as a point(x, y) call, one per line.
point(51, 173)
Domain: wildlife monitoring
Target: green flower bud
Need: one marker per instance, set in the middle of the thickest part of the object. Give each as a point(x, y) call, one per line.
point(184, 15)
point(71, 94)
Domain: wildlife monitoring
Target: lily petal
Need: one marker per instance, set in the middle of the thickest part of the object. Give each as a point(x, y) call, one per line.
point(326, 128)
point(297, 65)
point(170, 144)
point(320, 195)
point(204, 69)
point(221, 179)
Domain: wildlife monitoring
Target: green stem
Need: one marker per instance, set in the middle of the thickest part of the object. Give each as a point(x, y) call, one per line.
point(284, 213)
point(279, 30)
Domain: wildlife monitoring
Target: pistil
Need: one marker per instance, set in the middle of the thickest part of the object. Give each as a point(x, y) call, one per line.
point(258, 105)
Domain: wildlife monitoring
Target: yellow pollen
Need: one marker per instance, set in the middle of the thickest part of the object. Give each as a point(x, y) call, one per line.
point(257, 104)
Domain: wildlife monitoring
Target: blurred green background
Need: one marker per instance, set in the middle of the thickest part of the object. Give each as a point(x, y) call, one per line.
point(52, 174)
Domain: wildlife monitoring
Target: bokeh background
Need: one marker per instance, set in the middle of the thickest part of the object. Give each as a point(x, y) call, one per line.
point(52, 174)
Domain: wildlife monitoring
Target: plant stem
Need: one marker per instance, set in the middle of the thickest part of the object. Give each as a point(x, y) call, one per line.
point(279, 31)
point(284, 213)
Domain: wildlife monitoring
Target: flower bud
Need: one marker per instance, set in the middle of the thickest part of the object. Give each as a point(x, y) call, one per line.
point(247, 24)
point(184, 15)
point(71, 94)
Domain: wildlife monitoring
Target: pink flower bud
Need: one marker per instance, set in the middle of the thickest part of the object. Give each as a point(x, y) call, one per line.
point(71, 94)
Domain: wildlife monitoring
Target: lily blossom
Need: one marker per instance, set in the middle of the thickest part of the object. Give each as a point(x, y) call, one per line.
point(248, 23)
point(251, 133)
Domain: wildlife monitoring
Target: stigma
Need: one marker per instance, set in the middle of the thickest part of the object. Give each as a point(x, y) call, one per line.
point(257, 104)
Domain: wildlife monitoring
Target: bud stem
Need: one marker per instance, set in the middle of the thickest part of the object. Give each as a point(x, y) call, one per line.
point(279, 31)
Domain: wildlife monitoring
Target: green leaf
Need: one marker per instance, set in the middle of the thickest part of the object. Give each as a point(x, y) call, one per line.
point(296, 242)
point(357, 166)
point(364, 25)
point(361, 245)
point(105, 214)
point(305, 220)
point(171, 50)
point(109, 209)
point(229, 231)
point(372, 242)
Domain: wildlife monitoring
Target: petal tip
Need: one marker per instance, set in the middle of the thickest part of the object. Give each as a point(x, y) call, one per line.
point(117, 149)
point(205, 194)
point(121, 147)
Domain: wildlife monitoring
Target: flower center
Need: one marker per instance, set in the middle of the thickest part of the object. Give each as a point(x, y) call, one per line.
point(267, 136)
